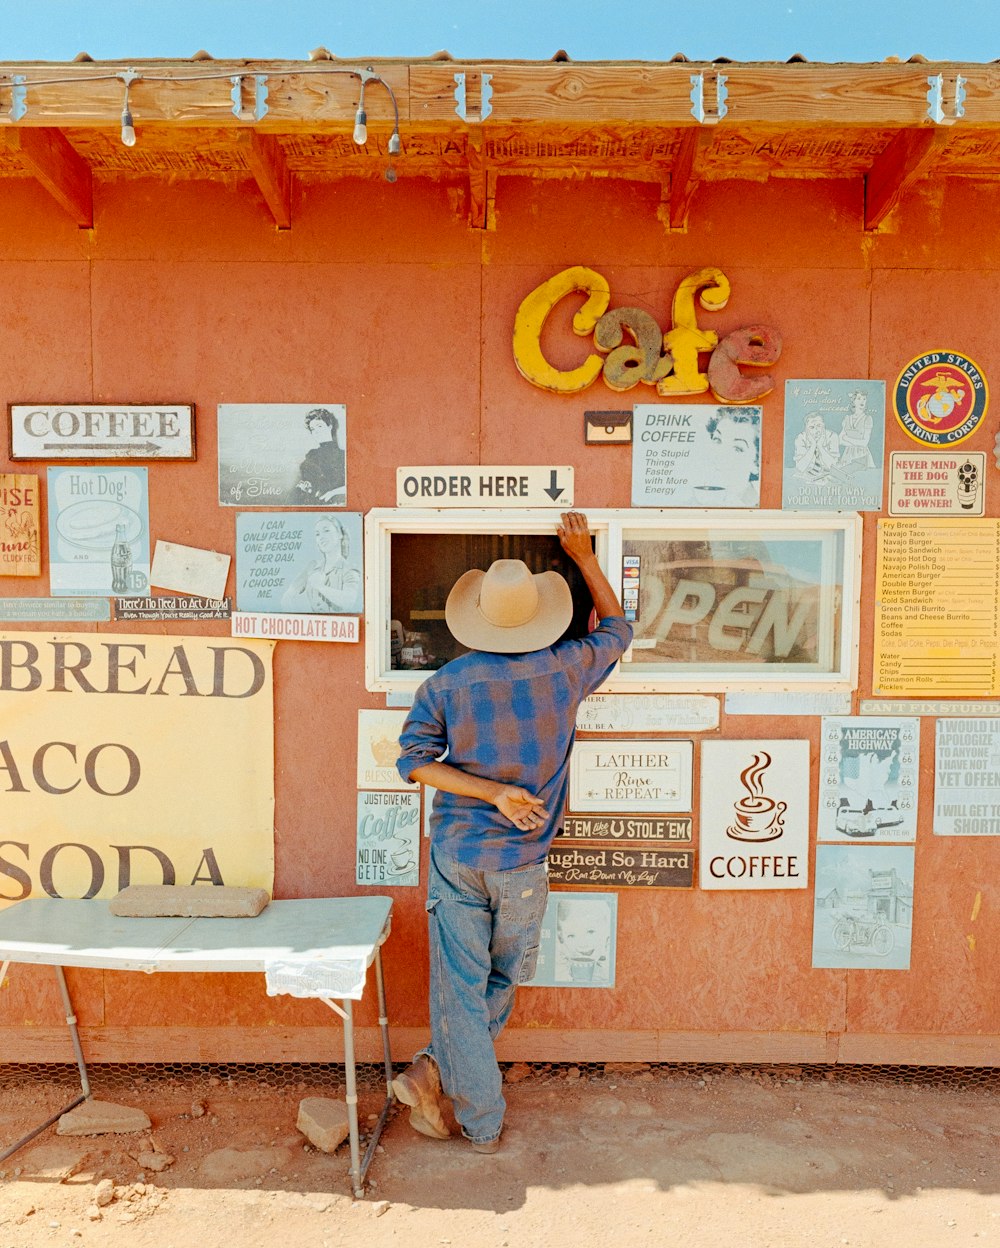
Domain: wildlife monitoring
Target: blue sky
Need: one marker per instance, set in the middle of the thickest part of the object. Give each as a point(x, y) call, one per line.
point(824, 30)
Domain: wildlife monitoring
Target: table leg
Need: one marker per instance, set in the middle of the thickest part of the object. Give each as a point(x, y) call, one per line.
point(81, 1066)
point(390, 1096)
point(350, 1077)
point(383, 1022)
point(73, 1032)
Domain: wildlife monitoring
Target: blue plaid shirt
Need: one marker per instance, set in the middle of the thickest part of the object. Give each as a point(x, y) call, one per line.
point(510, 718)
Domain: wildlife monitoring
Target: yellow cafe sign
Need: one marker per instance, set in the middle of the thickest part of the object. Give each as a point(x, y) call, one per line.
point(632, 349)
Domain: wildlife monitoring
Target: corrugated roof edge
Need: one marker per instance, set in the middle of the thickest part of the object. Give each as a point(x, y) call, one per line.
point(559, 57)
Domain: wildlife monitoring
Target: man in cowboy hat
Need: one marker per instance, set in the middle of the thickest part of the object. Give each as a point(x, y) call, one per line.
point(506, 714)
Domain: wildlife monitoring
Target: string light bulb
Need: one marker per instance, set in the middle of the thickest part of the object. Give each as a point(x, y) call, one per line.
point(19, 91)
point(128, 127)
point(361, 119)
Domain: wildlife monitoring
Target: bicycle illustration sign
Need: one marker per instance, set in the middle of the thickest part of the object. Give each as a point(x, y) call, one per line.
point(863, 914)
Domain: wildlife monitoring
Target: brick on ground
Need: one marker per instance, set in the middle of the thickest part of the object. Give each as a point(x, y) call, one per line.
point(102, 1118)
point(323, 1121)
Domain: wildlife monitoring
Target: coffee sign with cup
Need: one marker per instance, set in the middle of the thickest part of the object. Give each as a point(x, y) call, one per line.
point(388, 843)
point(754, 814)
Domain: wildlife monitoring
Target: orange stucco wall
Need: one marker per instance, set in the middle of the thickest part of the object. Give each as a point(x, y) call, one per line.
point(382, 298)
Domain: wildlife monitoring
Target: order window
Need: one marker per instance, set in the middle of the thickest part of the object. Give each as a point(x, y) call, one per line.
point(718, 600)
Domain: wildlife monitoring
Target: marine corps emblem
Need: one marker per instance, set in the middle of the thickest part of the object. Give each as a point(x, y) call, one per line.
point(940, 398)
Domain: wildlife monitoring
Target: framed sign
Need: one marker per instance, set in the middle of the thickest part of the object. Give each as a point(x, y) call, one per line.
point(631, 775)
point(101, 431)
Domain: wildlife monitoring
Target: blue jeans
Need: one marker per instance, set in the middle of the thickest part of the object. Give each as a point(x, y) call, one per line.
point(484, 929)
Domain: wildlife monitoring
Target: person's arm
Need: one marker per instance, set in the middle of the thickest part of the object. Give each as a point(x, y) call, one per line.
point(516, 804)
point(423, 742)
point(574, 536)
point(346, 598)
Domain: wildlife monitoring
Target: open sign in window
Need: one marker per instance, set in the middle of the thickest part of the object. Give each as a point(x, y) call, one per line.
point(763, 601)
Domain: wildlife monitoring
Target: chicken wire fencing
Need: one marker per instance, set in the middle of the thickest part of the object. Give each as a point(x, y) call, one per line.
point(193, 1079)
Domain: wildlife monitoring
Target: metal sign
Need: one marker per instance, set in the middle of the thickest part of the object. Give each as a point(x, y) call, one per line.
point(485, 485)
point(631, 776)
point(168, 607)
point(936, 483)
point(649, 831)
point(295, 627)
point(941, 398)
point(620, 866)
point(648, 712)
point(54, 610)
point(98, 431)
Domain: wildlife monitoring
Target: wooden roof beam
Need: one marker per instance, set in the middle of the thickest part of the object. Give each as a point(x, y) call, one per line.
point(901, 164)
point(482, 187)
point(266, 161)
point(324, 96)
point(51, 160)
point(649, 93)
point(685, 174)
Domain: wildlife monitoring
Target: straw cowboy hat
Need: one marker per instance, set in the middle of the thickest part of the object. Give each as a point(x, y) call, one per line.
point(507, 610)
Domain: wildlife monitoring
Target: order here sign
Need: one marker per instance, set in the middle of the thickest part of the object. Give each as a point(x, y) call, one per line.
point(485, 485)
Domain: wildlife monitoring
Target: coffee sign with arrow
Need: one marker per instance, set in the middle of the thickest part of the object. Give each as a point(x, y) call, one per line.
point(101, 431)
point(485, 485)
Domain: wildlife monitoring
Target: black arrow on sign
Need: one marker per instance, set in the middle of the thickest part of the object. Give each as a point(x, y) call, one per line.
point(152, 447)
point(553, 491)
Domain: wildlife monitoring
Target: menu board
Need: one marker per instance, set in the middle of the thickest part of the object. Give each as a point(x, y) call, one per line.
point(937, 608)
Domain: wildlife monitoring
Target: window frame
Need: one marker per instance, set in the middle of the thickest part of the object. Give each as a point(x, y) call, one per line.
point(607, 526)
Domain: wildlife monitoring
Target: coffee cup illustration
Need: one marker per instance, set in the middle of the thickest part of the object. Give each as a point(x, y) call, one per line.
point(402, 860)
point(756, 817)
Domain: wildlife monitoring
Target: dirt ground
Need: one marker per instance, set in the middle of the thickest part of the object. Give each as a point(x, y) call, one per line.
point(690, 1157)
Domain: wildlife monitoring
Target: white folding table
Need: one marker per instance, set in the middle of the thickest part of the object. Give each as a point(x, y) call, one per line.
point(318, 947)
